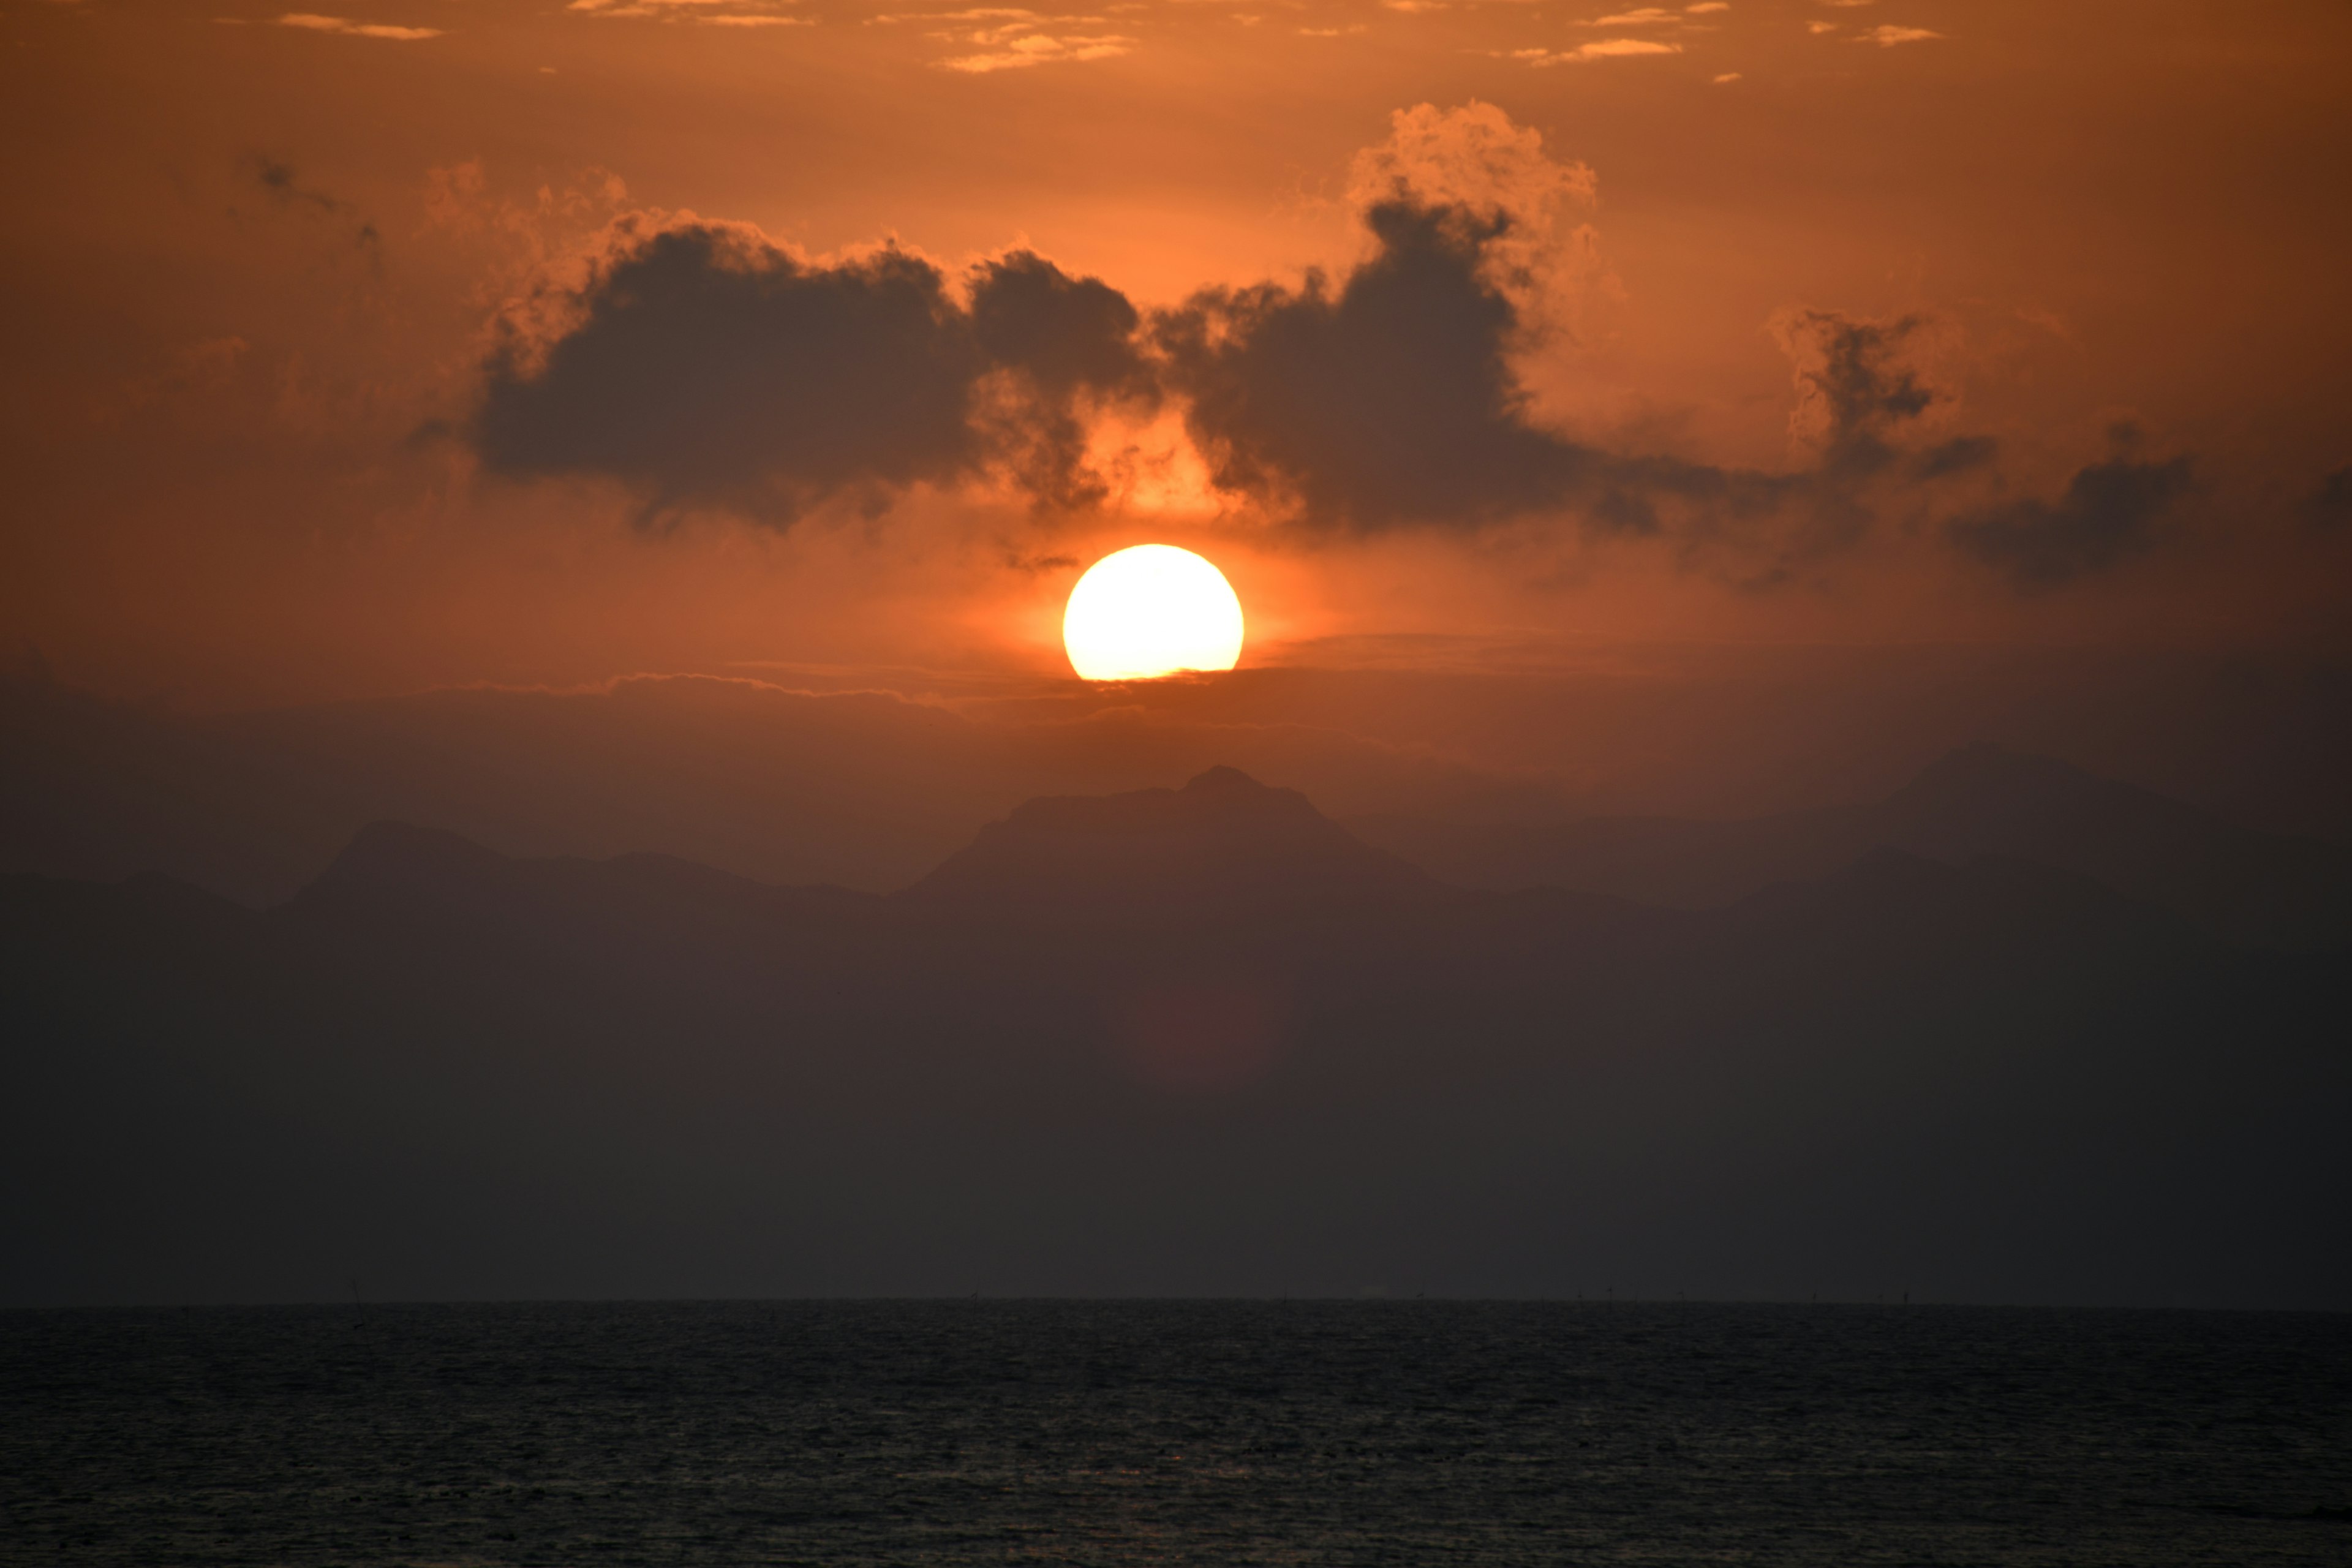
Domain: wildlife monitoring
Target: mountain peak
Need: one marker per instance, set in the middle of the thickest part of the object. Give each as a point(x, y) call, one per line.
point(1222, 780)
point(1224, 841)
point(400, 860)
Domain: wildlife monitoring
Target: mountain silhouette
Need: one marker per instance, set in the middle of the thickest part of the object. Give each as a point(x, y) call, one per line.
point(1223, 843)
point(2257, 889)
point(870, 790)
point(1170, 1041)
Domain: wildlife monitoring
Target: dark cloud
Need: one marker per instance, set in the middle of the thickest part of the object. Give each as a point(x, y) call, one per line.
point(708, 366)
point(1065, 334)
point(2111, 512)
point(1384, 402)
point(704, 365)
point(1059, 341)
point(1962, 453)
point(1858, 382)
point(1388, 400)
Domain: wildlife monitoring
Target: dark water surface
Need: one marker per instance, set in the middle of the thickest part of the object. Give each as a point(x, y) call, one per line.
point(959, 1432)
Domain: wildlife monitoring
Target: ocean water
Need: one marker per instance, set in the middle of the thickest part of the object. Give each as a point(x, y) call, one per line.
point(1374, 1432)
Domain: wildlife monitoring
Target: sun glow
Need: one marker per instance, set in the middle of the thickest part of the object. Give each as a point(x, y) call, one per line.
point(1149, 610)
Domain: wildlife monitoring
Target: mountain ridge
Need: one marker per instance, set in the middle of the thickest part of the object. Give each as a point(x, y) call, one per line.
point(2255, 888)
point(1224, 839)
point(470, 1075)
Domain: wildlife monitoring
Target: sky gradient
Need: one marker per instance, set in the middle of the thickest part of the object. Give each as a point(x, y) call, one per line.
point(459, 341)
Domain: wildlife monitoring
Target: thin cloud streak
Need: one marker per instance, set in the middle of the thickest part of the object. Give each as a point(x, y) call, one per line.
point(310, 22)
point(1887, 36)
point(1600, 49)
point(1041, 48)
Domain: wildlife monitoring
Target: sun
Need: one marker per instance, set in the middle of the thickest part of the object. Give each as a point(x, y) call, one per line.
point(1152, 609)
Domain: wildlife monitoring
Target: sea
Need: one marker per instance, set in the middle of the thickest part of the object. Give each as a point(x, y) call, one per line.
point(1404, 1431)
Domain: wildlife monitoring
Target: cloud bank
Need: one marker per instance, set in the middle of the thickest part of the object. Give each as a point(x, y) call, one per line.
point(704, 367)
point(2110, 512)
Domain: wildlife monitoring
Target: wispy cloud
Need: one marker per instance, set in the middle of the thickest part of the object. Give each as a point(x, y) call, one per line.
point(708, 13)
point(1643, 16)
point(350, 28)
point(1727, 77)
point(1598, 49)
point(1016, 37)
point(1707, 7)
point(1887, 36)
point(1039, 50)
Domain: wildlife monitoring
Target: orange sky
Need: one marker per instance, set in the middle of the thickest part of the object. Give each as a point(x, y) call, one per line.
point(255, 263)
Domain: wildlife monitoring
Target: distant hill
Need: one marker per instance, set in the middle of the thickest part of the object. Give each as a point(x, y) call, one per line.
point(1185, 1041)
point(861, 788)
point(2251, 888)
point(872, 790)
point(1223, 843)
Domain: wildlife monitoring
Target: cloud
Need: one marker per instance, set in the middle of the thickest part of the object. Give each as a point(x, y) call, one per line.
point(1819, 27)
point(1598, 49)
point(1887, 36)
point(1381, 402)
point(1858, 380)
point(703, 365)
point(706, 12)
point(1016, 47)
point(1061, 345)
point(1016, 39)
point(1707, 7)
point(1727, 77)
point(1643, 17)
point(1386, 399)
point(1473, 158)
point(356, 29)
point(2110, 512)
point(1960, 455)
point(1544, 257)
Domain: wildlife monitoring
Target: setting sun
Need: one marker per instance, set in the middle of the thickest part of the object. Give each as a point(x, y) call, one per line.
point(1149, 610)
